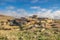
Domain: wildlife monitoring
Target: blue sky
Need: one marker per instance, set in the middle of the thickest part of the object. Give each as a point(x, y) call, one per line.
point(26, 4)
point(30, 7)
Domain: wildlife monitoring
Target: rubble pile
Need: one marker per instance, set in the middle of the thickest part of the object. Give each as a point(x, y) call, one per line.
point(31, 22)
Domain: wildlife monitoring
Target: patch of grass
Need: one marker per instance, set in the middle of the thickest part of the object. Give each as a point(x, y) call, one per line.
point(47, 34)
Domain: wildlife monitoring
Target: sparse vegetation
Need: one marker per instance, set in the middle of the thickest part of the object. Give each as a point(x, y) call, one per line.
point(48, 34)
point(32, 30)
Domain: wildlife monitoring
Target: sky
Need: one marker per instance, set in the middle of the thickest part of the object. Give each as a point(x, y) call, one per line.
point(42, 8)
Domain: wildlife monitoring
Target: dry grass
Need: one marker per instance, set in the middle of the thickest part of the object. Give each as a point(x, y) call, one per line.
point(31, 34)
point(48, 34)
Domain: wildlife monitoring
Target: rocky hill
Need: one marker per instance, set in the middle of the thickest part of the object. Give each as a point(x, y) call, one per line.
point(28, 22)
point(26, 28)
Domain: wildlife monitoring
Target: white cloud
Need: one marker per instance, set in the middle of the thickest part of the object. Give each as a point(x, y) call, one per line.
point(35, 7)
point(34, 1)
point(56, 14)
point(49, 14)
point(16, 13)
point(41, 12)
point(43, 1)
point(9, 0)
point(2, 3)
point(10, 7)
point(39, 1)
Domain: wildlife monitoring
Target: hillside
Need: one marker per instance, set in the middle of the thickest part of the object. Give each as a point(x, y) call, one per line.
point(29, 28)
point(4, 24)
point(4, 17)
